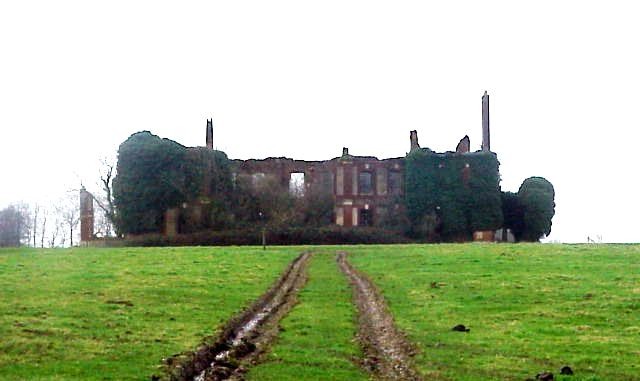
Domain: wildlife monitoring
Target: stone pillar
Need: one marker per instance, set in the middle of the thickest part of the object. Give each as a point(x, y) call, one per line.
point(381, 181)
point(171, 217)
point(354, 180)
point(340, 180)
point(413, 137)
point(210, 133)
point(86, 216)
point(486, 143)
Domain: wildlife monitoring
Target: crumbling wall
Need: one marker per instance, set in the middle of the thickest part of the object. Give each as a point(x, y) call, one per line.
point(464, 146)
point(340, 177)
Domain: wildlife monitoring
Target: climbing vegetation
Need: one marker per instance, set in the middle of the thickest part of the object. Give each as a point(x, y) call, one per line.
point(155, 174)
point(449, 196)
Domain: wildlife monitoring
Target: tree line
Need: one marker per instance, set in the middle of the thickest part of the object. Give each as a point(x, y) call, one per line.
point(51, 224)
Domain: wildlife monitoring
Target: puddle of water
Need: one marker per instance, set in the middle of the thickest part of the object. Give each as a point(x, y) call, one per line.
point(247, 329)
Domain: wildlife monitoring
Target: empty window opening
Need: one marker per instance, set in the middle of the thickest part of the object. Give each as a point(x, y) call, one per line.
point(296, 184)
point(365, 183)
point(257, 179)
point(365, 217)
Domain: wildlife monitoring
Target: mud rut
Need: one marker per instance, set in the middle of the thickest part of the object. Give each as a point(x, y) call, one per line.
point(244, 337)
point(387, 353)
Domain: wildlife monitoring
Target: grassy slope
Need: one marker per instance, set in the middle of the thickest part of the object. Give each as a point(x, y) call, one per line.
point(58, 320)
point(530, 307)
point(317, 342)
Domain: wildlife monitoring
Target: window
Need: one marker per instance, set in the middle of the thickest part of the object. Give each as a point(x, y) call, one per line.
point(395, 183)
point(257, 179)
point(296, 184)
point(365, 218)
point(365, 183)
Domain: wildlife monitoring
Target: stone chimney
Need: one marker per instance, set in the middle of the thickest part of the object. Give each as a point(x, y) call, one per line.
point(413, 136)
point(486, 137)
point(86, 216)
point(345, 151)
point(210, 133)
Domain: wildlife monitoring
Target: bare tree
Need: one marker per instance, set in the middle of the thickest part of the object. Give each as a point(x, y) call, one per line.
point(105, 202)
point(43, 228)
point(34, 224)
point(55, 232)
point(103, 226)
point(69, 212)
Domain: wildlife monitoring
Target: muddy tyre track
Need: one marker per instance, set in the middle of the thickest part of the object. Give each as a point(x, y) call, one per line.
point(244, 338)
point(388, 355)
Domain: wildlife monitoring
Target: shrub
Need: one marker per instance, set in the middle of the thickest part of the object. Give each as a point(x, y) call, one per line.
point(536, 197)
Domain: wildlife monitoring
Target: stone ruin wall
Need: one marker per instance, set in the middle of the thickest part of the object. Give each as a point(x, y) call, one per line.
point(362, 186)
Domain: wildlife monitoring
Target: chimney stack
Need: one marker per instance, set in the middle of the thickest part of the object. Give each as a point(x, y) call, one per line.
point(345, 151)
point(210, 133)
point(86, 216)
point(486, 143)
point(413, 136)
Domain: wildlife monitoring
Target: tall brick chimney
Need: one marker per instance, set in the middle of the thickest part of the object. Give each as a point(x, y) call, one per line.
point(210, 133)
point(413, 136)
point(86, 216)
point(486, 137)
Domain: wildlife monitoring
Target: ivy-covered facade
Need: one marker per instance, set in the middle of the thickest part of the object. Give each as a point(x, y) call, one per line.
point(164, 187)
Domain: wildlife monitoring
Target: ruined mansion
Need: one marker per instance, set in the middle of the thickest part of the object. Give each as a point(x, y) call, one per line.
point(362, 187)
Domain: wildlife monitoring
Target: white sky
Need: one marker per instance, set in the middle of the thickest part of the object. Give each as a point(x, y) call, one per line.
point(303, 79)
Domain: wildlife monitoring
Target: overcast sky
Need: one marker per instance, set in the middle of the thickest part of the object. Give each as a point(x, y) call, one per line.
point(303, 79)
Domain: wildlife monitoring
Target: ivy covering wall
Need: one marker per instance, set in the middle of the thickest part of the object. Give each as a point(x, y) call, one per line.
point(155, 174)
point(449, 196)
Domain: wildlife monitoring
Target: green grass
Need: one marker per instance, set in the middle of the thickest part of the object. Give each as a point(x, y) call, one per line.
point(113, 314)
point(530, 307)
point(317, 341)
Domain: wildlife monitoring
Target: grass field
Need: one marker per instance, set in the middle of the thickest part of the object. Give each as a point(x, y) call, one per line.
point(529, 307)
point(113, 314)
point(317, 338)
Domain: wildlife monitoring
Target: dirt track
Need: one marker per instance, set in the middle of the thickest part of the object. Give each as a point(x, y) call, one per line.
point(244, 337)
point(387, 353)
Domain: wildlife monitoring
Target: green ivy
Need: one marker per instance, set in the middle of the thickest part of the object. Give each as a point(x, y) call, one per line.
point(462, 192)
point(155, 174)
